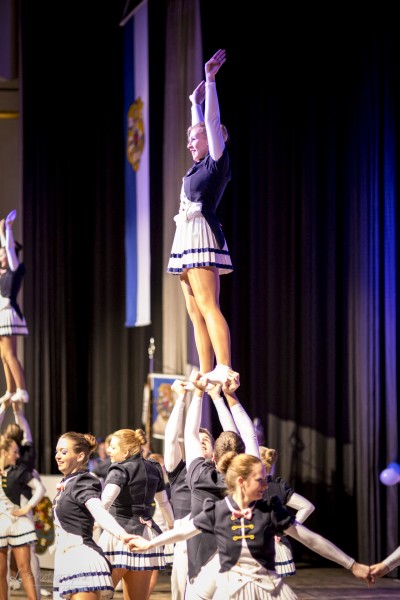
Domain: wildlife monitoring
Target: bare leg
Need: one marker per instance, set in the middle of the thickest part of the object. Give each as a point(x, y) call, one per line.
point(9, 356)
point(201, 336)
point(136, 585)
point(204, 283)
point(153, 582)
point(117, 575)
point(10, 383)
point(23, 559)
point(3, 574)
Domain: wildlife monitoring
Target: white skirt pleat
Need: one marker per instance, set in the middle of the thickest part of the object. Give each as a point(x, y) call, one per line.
point(237, 586)
point(284, 563)
point(11, 323)
point(16, 531)
point(81, 569)
point(195, 244)
point(120, 556)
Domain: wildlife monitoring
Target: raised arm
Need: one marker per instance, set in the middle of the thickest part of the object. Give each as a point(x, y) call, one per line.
point(172, 449)
point(243, 422)
point(3, 407)
point(212, 120)
point(224, 414)
point(22, 423)
point(197, 99)
point(12, 258)
point(193, 447)
point(166, 508)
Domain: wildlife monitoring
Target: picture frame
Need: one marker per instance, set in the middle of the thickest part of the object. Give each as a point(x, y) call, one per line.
point(161, 401)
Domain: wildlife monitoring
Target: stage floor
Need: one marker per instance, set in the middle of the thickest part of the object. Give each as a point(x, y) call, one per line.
point(308, 584)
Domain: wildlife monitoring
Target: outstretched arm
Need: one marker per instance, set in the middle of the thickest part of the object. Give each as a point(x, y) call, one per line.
point(106, 520)
point(327, 549)
point(172, 449)
point(387, 565)
point(185, 531)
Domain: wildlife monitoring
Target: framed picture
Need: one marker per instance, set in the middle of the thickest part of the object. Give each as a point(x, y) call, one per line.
point(162, 401)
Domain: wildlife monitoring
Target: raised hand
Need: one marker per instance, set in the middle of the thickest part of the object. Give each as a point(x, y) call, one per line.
point(213, 65)
point(199, 93)
point(10, 218)
point(179, 387)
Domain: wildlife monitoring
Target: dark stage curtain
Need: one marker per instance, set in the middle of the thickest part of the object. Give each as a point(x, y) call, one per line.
point(310, 218)
point(85, 370)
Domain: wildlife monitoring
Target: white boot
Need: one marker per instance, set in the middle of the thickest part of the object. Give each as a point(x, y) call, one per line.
point(20, 396)
point(218, 375)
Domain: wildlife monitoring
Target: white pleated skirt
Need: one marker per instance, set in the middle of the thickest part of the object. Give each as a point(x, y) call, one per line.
point(16, 531)
point(121, 557)
point(248, 580)
point(194, 243)
point(284, 563)
point(11, 323)
point(81, 569)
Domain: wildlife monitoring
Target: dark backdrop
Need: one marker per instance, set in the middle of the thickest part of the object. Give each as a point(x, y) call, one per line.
point(311, 102)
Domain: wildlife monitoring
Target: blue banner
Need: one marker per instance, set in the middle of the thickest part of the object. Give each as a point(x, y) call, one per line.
point(137, 184)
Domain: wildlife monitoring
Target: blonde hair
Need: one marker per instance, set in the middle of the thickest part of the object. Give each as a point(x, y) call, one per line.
point(268, 456)
point(201, 127)
point(5, 445)
point(236, 465)
point(131, 440)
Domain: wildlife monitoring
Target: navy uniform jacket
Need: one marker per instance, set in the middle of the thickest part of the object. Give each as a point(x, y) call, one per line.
point(69, 505)
point(204, 482)
point(10, 284)
point(15, 483)
point(180, 492)
point(139, 479)
point(269, 519)
point(205, 182)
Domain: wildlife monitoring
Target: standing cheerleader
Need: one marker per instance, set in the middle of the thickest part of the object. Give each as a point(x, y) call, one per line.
point(12, 321)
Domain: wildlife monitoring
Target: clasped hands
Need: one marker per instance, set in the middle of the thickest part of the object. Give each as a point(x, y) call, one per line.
point(199, 381)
